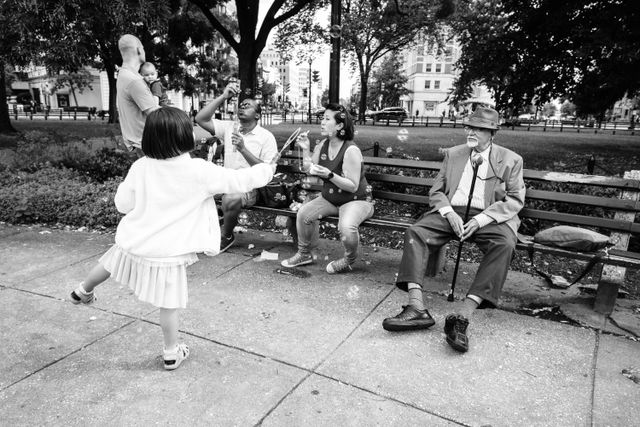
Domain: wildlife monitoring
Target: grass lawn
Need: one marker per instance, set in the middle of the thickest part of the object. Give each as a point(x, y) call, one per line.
point(561, 152)
point(557, 151)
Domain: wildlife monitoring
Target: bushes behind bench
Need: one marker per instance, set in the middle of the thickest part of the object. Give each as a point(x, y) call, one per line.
point(53, 195)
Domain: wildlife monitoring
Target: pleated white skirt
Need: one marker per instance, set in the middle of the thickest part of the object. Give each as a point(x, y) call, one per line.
point(158, 281)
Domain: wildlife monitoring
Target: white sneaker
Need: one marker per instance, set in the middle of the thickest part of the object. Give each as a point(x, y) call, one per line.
point(172, 360)
point(297, 260)
point(338, 266)
point(80, 296)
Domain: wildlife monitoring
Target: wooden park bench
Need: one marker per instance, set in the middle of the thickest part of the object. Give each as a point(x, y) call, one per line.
point(552, 198)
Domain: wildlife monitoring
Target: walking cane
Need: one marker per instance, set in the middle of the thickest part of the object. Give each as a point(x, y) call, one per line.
point(476, 162)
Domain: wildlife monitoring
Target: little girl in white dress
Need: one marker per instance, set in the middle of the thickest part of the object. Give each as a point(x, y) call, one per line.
point(170, 214)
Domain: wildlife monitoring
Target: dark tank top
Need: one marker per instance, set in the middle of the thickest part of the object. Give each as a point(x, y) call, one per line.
point(330, 191)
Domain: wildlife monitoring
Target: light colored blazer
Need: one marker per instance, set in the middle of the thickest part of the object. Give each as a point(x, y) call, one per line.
point(504, 190)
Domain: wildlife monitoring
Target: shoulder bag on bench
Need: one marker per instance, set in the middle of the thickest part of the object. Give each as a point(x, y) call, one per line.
point(570, 238)
point(278, 193)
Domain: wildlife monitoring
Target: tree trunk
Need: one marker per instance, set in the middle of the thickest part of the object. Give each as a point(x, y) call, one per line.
point(247, 72)
point(73, 92)
point(5, 120)
point(364, 78)
point(110, 69)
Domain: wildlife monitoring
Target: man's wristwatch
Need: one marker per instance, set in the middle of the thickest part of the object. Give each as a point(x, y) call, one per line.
point(331, 175)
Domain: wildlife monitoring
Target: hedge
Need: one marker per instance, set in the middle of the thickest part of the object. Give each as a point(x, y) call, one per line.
point(57, 195)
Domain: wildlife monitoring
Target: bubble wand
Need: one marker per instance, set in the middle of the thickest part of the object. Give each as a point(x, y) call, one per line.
point(296, 133)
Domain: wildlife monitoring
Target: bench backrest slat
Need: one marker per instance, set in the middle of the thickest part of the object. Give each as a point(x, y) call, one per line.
point(590, 221)
point(577, 178)
point(400, 179)
point(603, 202)
point(400, 197)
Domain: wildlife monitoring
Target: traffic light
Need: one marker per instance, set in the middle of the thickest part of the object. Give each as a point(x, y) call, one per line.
point(316, 76)
point(304, 92)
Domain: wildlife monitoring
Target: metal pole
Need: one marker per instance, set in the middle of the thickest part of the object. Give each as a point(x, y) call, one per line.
point(309, 93)
point(334, 64)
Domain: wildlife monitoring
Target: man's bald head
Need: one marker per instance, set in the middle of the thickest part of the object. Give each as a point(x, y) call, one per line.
point(131, 48)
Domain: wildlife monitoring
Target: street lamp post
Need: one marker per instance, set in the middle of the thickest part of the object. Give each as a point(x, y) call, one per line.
point(309, 93)
point(334, 63)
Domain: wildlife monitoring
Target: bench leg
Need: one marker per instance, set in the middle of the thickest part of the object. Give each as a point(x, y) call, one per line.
point(606, 297)
point(293, 231)
point(436, 262)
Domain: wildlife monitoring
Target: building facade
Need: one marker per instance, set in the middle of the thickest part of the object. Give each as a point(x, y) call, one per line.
point(431, 75)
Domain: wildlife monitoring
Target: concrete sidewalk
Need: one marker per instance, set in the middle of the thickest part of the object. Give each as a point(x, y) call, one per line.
point(273, 349)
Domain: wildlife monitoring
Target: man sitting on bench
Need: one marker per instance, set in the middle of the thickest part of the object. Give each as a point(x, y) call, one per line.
point(498, 196)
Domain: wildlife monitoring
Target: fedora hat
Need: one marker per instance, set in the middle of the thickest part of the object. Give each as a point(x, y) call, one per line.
point(483, 117)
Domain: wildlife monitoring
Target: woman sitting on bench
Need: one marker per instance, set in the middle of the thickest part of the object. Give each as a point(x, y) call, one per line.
point(345, 192)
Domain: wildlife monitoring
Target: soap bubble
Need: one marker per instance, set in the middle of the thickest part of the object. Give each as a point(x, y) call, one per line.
point(243, 218)
point(305, 183)
point(403, 135)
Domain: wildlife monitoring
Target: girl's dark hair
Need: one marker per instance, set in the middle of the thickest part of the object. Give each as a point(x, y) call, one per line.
point(342, 116)
point(168, 132)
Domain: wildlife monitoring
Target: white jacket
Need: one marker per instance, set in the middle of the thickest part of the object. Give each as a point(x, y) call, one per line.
point(169, 204)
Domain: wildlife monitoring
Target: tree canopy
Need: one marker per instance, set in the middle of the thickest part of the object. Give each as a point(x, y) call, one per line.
point(21, 43)
point(67, 35)
point(250, 40)
point(389, 83)
point(371, 29)
point(531, 52)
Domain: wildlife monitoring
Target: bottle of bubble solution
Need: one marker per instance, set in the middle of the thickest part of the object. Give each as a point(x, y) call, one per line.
point(236, 122)
point(306, 161)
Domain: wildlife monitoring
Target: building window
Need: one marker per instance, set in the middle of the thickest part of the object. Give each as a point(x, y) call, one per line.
point(63, 100)
point(429, 107)
point(427, 68)
point(427, 84)
point(436, 84)
point(438, 68)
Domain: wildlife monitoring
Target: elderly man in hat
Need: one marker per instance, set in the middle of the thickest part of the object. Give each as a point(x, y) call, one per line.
point(498, 196)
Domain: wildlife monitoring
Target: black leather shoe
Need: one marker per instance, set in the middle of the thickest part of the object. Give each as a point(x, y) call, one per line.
point(455, 327)
point(409, 319)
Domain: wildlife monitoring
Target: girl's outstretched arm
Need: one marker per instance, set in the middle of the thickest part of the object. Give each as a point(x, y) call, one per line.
point(220, 180)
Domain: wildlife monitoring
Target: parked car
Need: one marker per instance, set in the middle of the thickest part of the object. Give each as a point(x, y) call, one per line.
point(390, 113)
point(318, 113)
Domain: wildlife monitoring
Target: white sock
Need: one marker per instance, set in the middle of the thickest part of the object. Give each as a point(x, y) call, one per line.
point(81, 290)
point(174, 350)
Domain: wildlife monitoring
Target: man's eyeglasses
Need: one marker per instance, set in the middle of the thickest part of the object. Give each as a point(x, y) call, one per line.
point(469, 129)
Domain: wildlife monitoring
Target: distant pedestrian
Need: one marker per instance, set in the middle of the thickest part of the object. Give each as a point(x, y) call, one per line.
point(170, 214)
point(150, 75)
